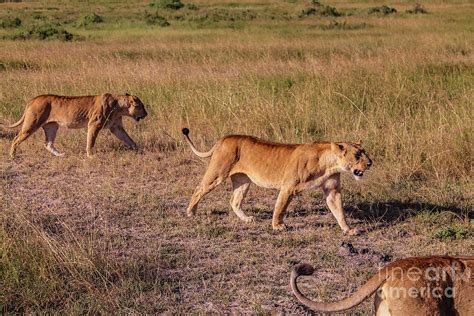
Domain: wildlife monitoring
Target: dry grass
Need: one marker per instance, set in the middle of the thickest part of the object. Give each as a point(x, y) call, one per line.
point(109, 234)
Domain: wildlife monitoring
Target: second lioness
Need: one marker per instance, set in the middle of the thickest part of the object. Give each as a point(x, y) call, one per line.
point(291, 168)
point(94, 112)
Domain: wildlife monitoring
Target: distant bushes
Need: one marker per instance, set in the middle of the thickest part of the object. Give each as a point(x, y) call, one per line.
point(335, 25)
point(9, 22)
point(167, 4)
point(90, 19)
point(44, 31)
point(318, 9)
point(191, 6)
point(155, 19)
point(417, 9)
point(385, 10)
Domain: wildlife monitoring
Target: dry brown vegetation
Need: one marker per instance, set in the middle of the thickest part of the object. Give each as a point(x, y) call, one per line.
point(110, 234)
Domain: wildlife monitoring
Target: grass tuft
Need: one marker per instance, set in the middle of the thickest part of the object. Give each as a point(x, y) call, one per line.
point(417, 9)
point(10, 22)
point(167, 4)
point(384, 9)
point(155, 19)
point(451, 233)
point(89, 20)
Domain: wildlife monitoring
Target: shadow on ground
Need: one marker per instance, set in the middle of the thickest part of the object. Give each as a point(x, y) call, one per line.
point(6, 134)
point(395, 211)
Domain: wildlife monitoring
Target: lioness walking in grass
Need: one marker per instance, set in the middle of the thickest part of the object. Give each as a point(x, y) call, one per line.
point(93, 112)
point(290, 168)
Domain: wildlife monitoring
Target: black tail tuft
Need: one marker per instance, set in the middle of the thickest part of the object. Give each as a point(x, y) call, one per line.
point(303, 269)
point(185, 131)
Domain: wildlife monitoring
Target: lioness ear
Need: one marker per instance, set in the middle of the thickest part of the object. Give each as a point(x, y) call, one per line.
point(127, 94)
point(338, 147)
point(359, 142)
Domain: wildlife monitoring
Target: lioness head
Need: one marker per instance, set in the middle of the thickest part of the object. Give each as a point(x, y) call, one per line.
point(136, 109)
point(352, 158)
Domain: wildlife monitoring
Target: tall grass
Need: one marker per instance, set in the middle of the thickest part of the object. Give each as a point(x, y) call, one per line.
point(411, 105)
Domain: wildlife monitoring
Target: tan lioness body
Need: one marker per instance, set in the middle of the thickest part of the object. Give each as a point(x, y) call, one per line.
point(288, 168)
point(408, 287)
point(93, 112)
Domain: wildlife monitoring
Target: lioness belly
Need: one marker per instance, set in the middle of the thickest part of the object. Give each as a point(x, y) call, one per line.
point(71, 114)
point(264, 183)
point(72, 124)
point(69, 120)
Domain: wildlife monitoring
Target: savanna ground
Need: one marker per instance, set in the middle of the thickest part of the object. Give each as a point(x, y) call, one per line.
point(109, 234)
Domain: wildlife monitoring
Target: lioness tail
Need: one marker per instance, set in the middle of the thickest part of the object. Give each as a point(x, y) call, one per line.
point(193, 148)
point(365, 291)
point(16, 124)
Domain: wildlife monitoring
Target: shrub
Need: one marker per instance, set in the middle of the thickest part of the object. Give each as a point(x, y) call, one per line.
point(450, 233)
point(417, 9)
point(307, 12)
point(191, 6)
point(44, 32)
point(334, 25)
point(155, 19)
point(89, 19)
point(9, 22)
point(329, 11)
point(385, 10)
point(167, 4)
point(320, 10)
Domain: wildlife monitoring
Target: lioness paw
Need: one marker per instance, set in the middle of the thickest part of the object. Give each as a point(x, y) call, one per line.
point(353, 232)
point(249, 219)
point(279, 227)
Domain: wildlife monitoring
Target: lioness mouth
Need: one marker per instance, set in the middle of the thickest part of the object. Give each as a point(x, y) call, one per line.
point(358, 173)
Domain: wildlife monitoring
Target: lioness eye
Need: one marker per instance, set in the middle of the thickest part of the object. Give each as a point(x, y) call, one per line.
point(358, 155)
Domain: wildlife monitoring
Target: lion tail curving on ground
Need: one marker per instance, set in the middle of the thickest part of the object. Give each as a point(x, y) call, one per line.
point(193, 148)
point(358, 297)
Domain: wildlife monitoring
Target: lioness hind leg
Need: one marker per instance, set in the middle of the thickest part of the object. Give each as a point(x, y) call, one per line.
point(217, 171)
point(50, 131)
point(240, 185)
point(206, 186)
point(21, 137)
point(26, 131)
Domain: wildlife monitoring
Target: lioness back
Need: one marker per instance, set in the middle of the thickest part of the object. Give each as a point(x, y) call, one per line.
point(262, 161)
point(67, 111)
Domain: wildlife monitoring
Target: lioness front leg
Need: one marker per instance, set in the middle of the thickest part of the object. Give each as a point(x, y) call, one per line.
point(92, 132)
point(283, 200)
point(121, 134)
point(334, 202)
